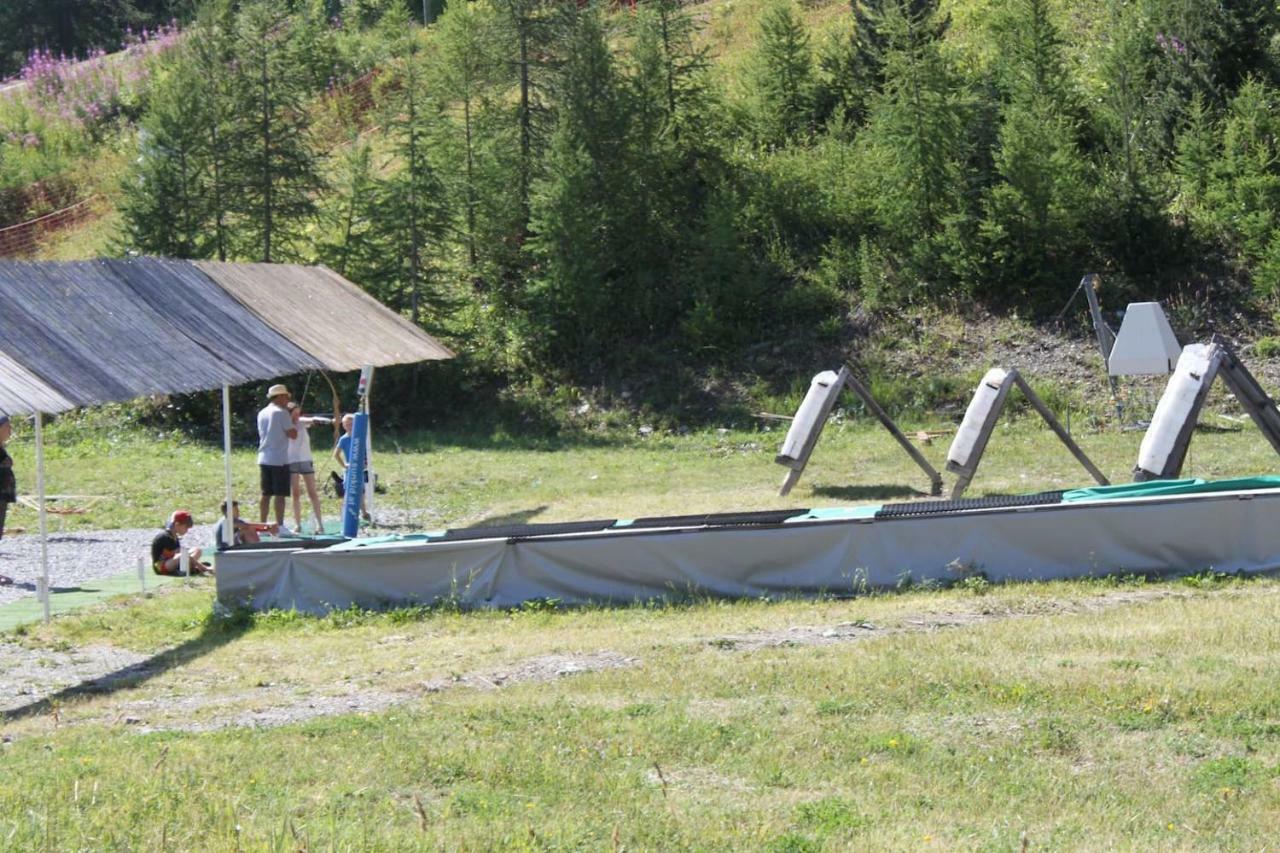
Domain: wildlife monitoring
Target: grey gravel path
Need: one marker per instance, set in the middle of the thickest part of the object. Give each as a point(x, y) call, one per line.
point(75, 558)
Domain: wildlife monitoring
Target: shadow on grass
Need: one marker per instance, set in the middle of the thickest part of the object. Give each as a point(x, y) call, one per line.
point(868, 493)
point(216, 632)
point(521, 516)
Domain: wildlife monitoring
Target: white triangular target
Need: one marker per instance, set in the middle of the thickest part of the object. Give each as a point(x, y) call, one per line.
point(1146, 345)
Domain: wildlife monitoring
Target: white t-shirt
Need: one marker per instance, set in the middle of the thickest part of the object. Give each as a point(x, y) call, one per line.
point(300, 447)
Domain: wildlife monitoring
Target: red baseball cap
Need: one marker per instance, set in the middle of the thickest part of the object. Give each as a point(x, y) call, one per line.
point(181, 516)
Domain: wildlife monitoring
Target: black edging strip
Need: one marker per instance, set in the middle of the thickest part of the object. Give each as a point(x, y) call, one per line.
point(904, 510)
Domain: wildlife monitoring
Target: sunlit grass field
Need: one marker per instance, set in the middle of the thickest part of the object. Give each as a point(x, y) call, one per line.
point(456, 479)
point(1113, 713)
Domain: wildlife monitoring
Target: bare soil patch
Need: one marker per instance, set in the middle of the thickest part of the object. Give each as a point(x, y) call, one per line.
point(845, 632)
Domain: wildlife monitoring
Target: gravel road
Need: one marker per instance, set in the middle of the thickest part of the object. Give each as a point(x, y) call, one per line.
point(75, 558)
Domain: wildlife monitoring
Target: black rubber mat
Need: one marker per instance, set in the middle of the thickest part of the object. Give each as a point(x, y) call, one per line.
point(287, 544)
point(723, 519)
point(523, 531)
point(943, 507)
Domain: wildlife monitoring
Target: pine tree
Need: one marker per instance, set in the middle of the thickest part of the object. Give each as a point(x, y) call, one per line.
point(1036, 210)
point(916, 146)
point(529, 30)
point(782, 81)
point(411, 215)
point(1243, 194)
point(1194, 166)
point(674, 155)
point(348, 246)
point(586, 212)
point(469, 71)
point(1132, 174)
point(166, 210)
point(276, 170)
point(851, 67)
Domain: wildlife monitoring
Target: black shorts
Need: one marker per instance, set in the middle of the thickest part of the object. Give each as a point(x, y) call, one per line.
point(275, 480)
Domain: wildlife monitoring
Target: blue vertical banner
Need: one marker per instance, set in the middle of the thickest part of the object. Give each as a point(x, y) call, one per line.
point(354, 482)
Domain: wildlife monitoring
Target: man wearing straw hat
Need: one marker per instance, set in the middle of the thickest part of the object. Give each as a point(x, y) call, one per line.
point(275, 428)
point(8, 486)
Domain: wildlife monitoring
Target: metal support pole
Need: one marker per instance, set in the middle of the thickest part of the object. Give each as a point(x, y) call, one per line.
point(229, 520)
point(44, 517)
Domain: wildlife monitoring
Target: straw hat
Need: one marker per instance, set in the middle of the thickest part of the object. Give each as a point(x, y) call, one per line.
point(276, 391)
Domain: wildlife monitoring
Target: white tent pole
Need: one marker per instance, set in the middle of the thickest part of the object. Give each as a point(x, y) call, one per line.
point(44, 518)
point(229, 520)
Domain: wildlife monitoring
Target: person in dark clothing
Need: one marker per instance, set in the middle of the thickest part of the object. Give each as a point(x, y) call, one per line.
point(166, 548)
point(8, 485)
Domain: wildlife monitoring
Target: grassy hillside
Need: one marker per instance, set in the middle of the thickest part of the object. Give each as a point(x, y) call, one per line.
point(707, 261)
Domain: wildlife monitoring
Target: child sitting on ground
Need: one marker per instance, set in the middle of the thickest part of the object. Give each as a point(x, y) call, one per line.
point(246, 532)
point(166, 548)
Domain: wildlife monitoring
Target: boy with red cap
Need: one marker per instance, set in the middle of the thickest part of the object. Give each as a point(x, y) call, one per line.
point(166, 548)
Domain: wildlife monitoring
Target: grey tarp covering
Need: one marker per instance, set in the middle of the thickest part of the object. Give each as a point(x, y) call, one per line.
point(218, 320)
point(1223, 531)
point(318, 309)
point(85, 332)
point(23, 391)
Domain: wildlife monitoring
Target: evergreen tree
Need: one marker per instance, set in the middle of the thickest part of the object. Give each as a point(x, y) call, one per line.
point(915, 145)
point(1132, 176)
point(1194, 165)
point(469, 72)
point(165, 207)
point(411, 214)
point(1243, 193)
point(176, 198)
point(851, 67)
point(588, 211)
point(1035, 212)
point(782, 80)
point(276, 170)
point(349, 247)
point(675, 157)
point(530, 28)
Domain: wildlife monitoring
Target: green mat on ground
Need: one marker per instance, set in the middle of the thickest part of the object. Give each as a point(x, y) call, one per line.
point(28, 610)
point(1157, 488)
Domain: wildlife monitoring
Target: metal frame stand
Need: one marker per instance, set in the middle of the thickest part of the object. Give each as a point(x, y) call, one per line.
point(846, 379)
point(963, 461)
point(1219, 360)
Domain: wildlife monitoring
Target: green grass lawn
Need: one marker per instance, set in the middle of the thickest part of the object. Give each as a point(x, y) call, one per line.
point(1106, 714)
point(443, 479)
point(1078, 716)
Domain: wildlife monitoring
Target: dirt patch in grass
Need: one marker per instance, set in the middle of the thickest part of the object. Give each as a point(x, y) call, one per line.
point(544, 668)
point(30, 677)
point(845, 632)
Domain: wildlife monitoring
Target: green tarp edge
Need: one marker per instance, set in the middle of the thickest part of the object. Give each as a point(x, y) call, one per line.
point(1160, 488)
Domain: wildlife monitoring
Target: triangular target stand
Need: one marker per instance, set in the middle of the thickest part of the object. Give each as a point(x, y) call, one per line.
point(1164, 447)
point(980, 420)
point(812, 416)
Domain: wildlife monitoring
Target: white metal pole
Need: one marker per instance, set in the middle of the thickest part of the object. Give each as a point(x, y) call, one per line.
point(44, 518)
point(366, 393)
point(229, 520)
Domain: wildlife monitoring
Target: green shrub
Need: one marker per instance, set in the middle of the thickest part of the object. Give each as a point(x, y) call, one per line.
point(1267, 347)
